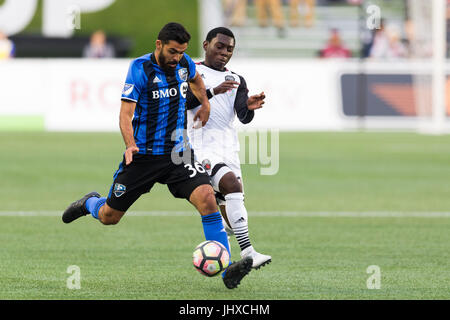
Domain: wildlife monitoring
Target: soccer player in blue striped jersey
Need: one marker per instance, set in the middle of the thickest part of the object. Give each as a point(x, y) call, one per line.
point(153, 123)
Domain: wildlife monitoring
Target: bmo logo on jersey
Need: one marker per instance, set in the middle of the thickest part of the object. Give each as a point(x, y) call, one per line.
point(172, 92)
point(164, 93)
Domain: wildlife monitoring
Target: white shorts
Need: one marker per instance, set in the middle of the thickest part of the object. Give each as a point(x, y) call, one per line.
point(217, 166)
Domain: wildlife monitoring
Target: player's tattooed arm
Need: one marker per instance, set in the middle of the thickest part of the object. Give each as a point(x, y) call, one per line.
point(198, 89)
point(126, 128)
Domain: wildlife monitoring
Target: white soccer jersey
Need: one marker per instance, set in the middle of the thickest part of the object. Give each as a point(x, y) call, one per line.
point(217, 141)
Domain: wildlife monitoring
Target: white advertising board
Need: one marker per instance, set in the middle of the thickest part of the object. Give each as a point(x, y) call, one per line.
point(84, 94)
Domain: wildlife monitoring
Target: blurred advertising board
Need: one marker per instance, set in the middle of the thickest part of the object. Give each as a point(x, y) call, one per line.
point(302, 94)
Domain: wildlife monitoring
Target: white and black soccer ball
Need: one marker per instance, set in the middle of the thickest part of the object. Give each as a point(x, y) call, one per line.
point(210, 258)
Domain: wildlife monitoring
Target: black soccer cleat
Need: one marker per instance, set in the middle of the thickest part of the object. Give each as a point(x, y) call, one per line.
point(78, 209)
point(236, 271)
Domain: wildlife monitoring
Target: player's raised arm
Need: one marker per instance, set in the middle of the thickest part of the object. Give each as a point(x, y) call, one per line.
point(198, 89)
point(244, 105)
point(126, 128)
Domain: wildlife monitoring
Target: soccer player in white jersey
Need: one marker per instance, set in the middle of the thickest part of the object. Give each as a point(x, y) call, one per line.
point(216, 145)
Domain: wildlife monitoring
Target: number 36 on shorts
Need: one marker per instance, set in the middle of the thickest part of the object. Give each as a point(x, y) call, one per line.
point(194, 169)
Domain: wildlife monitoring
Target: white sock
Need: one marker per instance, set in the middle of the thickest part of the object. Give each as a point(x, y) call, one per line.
point(238, 218)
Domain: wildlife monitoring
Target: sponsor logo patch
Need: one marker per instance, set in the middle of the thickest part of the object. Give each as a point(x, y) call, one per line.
point(184, 89)
point(164, 93)
point(206, 164)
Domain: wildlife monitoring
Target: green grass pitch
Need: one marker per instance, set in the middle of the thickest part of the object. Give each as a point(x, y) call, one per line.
point(340, 203)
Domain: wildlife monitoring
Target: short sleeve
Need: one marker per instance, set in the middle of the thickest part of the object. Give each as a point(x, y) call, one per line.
point(191, 66)
point(134, 82)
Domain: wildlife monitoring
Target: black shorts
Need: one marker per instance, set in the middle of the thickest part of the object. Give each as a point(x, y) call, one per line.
point(137, 178)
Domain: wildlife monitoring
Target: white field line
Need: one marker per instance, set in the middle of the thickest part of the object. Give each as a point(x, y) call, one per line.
point(330, 214)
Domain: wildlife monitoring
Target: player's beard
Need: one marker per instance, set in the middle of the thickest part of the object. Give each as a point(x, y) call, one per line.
point(164, 64)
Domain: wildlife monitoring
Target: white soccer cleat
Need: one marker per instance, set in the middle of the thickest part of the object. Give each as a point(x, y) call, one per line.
point(259, 260)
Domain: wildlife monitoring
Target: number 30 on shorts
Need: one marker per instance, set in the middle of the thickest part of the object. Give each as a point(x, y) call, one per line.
point(194, 169)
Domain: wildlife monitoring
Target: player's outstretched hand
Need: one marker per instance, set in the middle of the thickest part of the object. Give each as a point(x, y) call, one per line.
point(129, 154)
point(202, 116)
point(256, 101)
point(225, 86)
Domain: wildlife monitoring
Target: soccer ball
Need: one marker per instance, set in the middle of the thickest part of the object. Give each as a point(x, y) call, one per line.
point(210, 258)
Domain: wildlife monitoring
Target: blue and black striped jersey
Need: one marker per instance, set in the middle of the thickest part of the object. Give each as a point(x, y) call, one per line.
point(159, 120)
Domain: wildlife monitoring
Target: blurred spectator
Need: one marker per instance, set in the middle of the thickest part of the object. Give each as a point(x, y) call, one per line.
point(335, 48)
point(276, 13)
point(98, 47)
point(387, 44)
point(399, 48)
point(7, 48)
point(236, 12)
point(367, 42)
point(367, 39)
point(309, 15)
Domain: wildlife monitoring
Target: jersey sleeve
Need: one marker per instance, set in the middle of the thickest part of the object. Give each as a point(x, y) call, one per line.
point(240, 103)
point(134, 82)
point(192, 101)
point(191, 67)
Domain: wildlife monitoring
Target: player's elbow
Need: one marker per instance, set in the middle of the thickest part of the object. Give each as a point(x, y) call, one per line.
point(247, 118)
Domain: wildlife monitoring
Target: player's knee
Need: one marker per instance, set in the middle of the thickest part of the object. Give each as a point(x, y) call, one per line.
point(204, 199)
point(209, 199)
point(229, 184)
